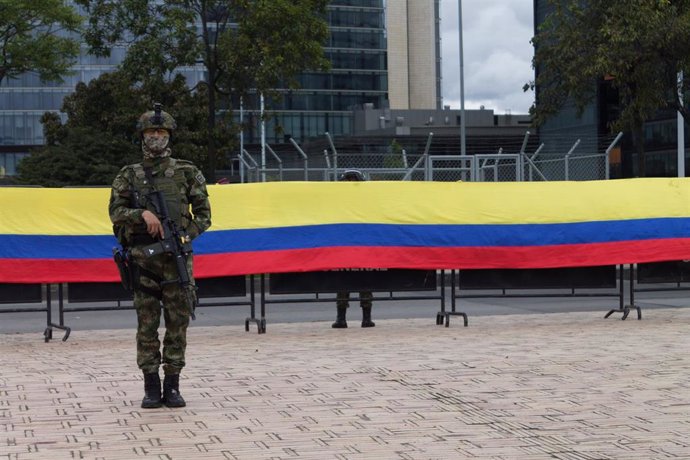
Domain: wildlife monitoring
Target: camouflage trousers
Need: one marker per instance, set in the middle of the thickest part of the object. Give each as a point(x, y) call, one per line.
point(343, 299)
point(176, 313)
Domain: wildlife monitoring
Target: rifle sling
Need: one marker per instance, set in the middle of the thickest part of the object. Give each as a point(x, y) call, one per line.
point(148, 172)
point(158, 247)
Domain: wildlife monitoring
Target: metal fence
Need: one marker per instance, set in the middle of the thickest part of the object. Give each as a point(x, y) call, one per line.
point(581, 162)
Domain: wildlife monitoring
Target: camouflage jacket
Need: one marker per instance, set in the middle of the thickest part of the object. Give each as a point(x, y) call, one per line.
point(183, 187)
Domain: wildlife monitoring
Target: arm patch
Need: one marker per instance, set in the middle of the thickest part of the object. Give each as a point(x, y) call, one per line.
point(200, 178)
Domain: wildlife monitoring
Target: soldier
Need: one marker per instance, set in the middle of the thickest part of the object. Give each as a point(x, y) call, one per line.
point(343, 297)
point(133, 213)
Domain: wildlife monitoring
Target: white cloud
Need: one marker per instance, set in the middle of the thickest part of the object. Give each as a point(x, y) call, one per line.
point(498, 54)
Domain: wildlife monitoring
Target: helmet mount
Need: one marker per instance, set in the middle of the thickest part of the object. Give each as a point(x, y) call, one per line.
point(156, 119)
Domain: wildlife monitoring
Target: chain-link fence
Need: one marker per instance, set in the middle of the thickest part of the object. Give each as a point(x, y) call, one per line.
point(582, 161)
point(474, 168)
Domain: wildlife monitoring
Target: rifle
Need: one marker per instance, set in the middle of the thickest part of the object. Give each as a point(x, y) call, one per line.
point(173, 242)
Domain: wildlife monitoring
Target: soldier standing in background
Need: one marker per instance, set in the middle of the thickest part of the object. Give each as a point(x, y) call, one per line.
point(343, 297)
point(155, 278)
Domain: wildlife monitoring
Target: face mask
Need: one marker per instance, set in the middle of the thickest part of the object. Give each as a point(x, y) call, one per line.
point(156, 144)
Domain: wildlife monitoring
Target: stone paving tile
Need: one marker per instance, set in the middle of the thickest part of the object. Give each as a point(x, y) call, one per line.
point(551, 386)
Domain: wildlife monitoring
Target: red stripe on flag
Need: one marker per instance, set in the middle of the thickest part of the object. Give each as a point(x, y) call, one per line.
point(298, 260)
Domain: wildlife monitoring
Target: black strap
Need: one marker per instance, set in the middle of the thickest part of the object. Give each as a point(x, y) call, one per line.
point(150, 275)
point(148, 172)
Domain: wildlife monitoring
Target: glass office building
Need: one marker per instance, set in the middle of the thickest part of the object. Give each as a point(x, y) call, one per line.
point(358, 75)
point(593, 126)
point(561, 131)
point(356, 49)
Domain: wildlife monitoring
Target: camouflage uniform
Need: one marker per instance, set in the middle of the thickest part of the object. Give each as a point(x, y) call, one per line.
point(183, 187)
point(365, 298)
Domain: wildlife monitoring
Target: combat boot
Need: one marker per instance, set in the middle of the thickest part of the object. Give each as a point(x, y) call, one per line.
point(340, 320)
point(152, 391)
point(171, 391)
point(366, 317)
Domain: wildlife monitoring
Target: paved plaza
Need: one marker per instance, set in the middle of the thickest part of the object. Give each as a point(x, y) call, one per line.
point(536, 386)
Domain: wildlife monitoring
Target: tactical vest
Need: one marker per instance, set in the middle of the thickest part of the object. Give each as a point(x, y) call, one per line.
point(172, 182)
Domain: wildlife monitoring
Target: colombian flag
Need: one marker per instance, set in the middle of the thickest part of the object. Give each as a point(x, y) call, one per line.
point(65, 235)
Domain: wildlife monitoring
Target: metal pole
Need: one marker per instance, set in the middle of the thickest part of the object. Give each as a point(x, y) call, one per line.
point(531, 163)
point(263, 141)
point(536, 152)
point(304, 157)
point(328, 165)
point(335, 156)
point(251, 158)
point(242, 165)
point(280, 162)
point(534, 155)
point(524, 142)
point(427, 166)
point(244, 157)
point(608, 152)
point(241, 137)
point(681, 129)
point(463, 149)
point(415, 166)
point(428, 143)
point(421, 158)
point(567, 158)
point(328, 160)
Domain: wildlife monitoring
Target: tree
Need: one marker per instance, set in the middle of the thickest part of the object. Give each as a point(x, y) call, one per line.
point(35, 37)
point(99, 136)
point(244, 45)
point(82, 157)
point(639, 46)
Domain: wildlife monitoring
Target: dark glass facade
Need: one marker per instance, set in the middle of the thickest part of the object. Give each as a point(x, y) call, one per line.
point(357, 51)
point(24, 100)
point(358, 75)
point(565, 128)
point(660, 133)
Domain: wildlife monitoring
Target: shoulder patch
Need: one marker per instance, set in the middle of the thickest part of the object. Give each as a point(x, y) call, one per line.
point(200, 178)
point(119, 183)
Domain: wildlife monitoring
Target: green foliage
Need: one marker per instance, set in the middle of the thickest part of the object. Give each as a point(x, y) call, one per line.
point(245, 45)
point(109, 104)
point(100, 134)
point(637, 45)
point(28, 40)
point(159, 34)
point(275, 41)
point(640, 46)
point(84, 156)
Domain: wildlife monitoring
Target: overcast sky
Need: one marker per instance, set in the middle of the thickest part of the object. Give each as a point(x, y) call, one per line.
point(498, 54)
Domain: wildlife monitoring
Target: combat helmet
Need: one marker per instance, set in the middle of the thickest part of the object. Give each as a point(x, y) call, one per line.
point(352, 175)
point(156, 118)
